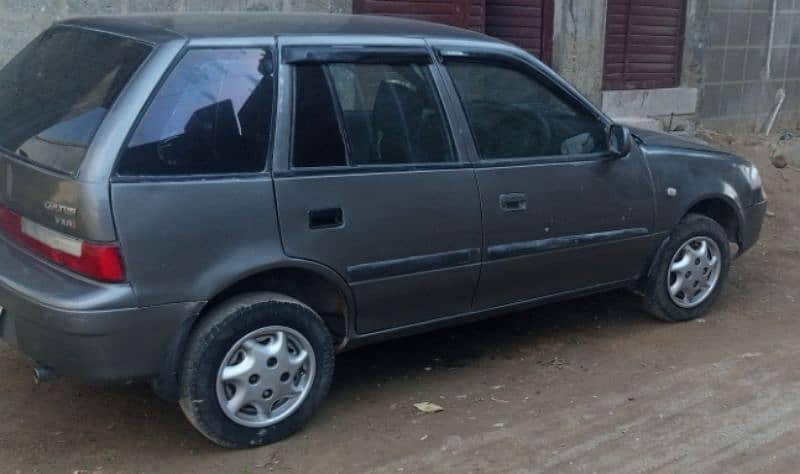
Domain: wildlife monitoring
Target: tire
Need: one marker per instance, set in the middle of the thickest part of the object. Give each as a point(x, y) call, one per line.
point(213, 341)
point(692, 230)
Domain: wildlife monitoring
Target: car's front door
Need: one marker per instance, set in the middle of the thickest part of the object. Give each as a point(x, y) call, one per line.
point(373, 186)
point(560, 213)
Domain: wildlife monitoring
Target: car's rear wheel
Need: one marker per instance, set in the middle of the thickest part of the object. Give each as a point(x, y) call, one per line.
point(256, 368)
point(689, 271)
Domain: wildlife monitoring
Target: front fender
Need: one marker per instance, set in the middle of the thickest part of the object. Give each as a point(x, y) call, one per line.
point(685, 178)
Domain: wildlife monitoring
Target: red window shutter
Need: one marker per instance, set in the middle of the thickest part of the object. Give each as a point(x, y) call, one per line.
point(644, 44)
point(461, 13)
point(526, 23)
point(477, 16)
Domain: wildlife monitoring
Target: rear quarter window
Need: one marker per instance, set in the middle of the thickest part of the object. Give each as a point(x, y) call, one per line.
point(58, 90)
point(212, 115)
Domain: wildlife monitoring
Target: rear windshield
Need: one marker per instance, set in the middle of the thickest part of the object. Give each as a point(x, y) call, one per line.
point(56, 92)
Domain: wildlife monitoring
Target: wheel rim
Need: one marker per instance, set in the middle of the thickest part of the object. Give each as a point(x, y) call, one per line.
point(694, 272)
point(265, 376)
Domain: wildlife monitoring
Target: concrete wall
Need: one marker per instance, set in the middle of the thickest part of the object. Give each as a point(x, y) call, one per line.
point(579, 31)
point(727, 57)
point(22, 20)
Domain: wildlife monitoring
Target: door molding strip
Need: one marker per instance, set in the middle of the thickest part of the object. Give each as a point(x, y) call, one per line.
point(415, 264)
point(518, 249)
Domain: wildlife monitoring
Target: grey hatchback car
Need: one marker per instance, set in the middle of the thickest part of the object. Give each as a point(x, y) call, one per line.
point(219, 203)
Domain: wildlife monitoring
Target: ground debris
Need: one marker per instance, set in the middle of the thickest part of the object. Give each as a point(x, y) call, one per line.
point(751, 355)
point(558, 362)
point(428, 407)
point(779, 161)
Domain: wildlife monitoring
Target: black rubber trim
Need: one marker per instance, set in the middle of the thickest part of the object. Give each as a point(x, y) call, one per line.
point(355, 54)
point(415, 264)
point(363, 169)
point(518, 249)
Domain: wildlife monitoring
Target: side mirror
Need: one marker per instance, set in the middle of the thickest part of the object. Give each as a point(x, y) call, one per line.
point(620, 140)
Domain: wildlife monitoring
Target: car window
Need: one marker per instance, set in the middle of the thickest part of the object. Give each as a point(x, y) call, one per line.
point(383, 114)
point(55, 94)
point(318, 140)
point(212, 115)
point(514, 115)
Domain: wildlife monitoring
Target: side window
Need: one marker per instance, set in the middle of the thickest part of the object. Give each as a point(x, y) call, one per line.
point(383, 114)
point(211, 116)
point(514, 115)
point(317, 138)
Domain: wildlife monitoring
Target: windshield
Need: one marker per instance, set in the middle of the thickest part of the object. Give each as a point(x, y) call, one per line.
point(56, 92)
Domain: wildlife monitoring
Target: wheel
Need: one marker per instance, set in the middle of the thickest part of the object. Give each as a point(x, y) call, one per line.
point(256, 369)
point(689, 271)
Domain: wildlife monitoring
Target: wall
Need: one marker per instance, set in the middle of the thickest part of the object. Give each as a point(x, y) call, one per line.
point(725, 54)
point(579, 31)
point(22, 20)
point(727, 59)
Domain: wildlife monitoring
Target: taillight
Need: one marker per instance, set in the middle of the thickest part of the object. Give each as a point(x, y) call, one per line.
point(98, 261)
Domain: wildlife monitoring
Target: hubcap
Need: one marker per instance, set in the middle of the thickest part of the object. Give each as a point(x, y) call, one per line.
point(694, 272)
point(265, 376)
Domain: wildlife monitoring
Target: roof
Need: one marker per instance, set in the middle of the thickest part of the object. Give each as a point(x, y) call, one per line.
point(157, 28)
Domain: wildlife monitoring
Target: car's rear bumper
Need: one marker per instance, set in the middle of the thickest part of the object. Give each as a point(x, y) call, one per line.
point(751, 225)
point(79, 327)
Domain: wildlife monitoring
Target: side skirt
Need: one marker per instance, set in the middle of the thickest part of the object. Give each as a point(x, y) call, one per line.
point(359, 340)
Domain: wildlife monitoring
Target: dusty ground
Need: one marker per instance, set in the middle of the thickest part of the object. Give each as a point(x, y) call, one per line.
point(592, 385)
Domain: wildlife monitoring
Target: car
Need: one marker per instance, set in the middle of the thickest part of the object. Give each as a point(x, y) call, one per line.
point(220, 203)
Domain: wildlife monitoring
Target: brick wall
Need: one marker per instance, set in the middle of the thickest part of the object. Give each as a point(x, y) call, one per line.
point(22, 20)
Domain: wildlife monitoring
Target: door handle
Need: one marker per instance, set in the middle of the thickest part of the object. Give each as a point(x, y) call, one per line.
point(325, 218)
point(513, 202)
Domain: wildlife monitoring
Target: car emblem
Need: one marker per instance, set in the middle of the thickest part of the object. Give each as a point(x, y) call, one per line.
point(59, 208)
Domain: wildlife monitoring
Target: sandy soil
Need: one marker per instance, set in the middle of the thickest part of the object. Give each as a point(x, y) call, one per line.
point(592, 385)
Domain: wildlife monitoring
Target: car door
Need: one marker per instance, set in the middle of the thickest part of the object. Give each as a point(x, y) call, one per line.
point(560, 213)
point(371, 183)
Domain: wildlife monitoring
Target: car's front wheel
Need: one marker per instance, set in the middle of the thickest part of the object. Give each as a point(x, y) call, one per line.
point(256, 368)
point(689, 271)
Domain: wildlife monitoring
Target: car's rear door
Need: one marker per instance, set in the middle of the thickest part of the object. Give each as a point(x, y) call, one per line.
point(368, 180)
point(560, 213)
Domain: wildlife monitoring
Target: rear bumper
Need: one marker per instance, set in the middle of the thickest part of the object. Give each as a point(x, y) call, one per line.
point(82, 328)
point(751, 225)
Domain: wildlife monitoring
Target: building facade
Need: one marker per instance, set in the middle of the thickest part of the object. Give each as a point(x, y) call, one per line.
point(727, 64)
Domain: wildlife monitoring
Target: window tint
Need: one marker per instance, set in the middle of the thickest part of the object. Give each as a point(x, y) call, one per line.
point(55, 94)
point(212, 115)
point(514, 115)
point(317, 137)
point(385, 113)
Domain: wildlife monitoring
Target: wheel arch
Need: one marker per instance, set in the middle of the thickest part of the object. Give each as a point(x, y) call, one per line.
point(724, 210)
point(720, 207)
point(315, 285)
